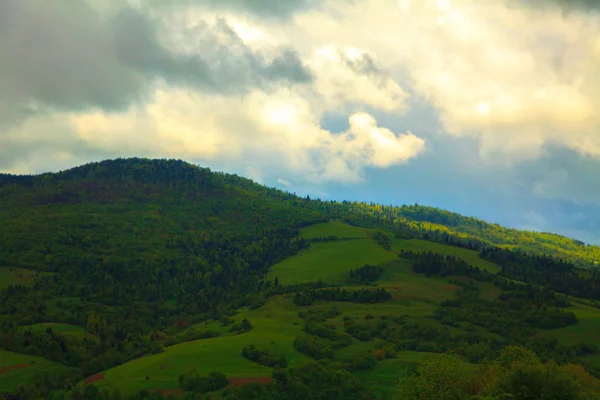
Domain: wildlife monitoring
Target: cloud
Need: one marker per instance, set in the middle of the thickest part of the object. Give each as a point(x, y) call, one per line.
point(76, 57)
point(264, 8)
point(277, 131)
point(49, 58)
point(349, 76)
point(245, 85)
point(283, 182)
point(514, 78)
point(565, 5)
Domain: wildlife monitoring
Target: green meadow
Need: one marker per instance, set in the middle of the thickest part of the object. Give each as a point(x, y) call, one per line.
point(11, 378)
point(587, 328)
point(329, 261)
point(16, 276)
point(398, 277)
point(277, 323)
point(71, 333)
point(334, 228)
point(421, 246)
point(275, 326)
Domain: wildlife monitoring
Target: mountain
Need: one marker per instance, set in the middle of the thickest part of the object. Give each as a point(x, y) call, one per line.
point(125, 274)
point(89, 197)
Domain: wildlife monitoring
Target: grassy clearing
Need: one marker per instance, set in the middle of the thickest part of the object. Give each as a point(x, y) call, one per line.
point(72, 332)
point(56, 328)
point(420, 246)
point(586, 330)
point(334, 228)
point(10, 380)
point(275, 327)
point(210, 326)
point(398, 277)
point(53, 304)
point(329, 261)
point(16, 276)
point(383, 379)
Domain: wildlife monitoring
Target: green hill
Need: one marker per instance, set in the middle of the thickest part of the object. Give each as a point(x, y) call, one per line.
point(149, 275)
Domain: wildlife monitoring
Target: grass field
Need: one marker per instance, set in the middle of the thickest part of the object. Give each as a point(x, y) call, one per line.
point(334, 228)
point(16, 276)
point(73, 332)
point(277, 323)
point(56, 328)
point(11, 378)
point(383, 379)
point(275, 327)
point(587, 328)
point(397, 276)
point(329, 261)
point(419, 246)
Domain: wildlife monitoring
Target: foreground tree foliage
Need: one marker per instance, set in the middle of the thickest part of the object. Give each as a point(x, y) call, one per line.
point(318, 381)
point(264, 357)
point(516, 374)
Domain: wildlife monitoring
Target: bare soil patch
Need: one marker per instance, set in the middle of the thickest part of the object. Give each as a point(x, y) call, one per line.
point(166, 392)
point(242, 381)
point(12, 367)
point(93, 378)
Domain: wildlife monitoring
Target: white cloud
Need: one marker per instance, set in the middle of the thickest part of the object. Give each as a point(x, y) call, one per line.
point(347, 76)
point(517, 78)
point(273, 126)
point(283, 182)
point(270, 132)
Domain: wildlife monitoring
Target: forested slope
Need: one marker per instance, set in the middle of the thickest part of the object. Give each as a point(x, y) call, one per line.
point(181, 196)
point(122, 259)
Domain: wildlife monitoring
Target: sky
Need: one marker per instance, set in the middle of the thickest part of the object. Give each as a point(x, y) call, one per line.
point(489, 108)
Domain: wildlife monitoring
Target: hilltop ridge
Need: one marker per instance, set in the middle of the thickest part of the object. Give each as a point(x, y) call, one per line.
point(154, 180)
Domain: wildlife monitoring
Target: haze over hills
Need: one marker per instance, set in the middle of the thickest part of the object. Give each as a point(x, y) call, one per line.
point(136, 277)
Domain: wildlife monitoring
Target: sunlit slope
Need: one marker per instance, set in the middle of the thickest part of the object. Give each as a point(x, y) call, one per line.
point(421, 246)
point(334, 228)
point(275, 326)
point(330, 261)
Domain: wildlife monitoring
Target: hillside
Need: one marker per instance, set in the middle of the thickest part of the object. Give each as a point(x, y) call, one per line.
point(133, 277)
point(123, 186)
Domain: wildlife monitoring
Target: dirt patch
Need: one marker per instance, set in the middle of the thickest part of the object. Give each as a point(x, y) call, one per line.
point(18, 366)
point(453, 287)
point(242, 381)
point(166, 392)
point(93, 378)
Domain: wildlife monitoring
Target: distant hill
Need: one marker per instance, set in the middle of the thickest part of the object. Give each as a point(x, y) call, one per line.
point(98, 203)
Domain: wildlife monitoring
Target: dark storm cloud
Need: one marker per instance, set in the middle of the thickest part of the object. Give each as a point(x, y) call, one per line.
point(264, 8)
point(59, 54)
point(66, 55)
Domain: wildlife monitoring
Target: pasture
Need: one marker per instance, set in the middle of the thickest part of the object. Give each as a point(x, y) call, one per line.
point(329, 261)
point(275, 326)
point(334, 228)
point(16, 368)
point(16, 276)
point(421, 246)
